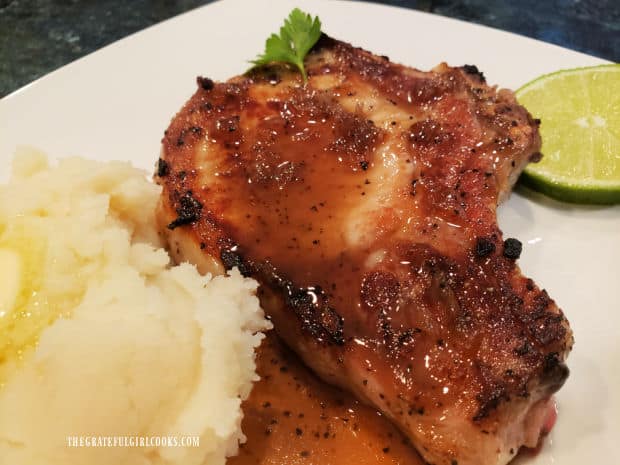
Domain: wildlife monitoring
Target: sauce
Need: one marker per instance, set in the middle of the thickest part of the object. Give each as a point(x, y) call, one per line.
point(292, 417)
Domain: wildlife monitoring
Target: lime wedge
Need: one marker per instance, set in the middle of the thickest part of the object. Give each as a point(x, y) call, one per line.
point(580, 113)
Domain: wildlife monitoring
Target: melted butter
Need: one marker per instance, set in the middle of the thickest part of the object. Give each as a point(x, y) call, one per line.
point(27, 305)
point(21, 261)
point(10, 276)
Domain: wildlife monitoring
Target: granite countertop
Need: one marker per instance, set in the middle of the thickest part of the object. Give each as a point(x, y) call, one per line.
point(38, 36)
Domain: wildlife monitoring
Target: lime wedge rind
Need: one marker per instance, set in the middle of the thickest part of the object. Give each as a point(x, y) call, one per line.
point(598, 193)
point(537, 82)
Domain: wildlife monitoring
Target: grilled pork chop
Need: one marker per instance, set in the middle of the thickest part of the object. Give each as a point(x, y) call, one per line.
point(365, 204)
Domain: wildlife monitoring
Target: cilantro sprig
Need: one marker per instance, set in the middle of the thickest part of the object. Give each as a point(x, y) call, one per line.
point(297, 36)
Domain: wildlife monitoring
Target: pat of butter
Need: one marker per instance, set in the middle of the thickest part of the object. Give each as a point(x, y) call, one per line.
point(10, 277)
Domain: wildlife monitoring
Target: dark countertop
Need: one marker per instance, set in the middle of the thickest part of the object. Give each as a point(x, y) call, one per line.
point(38, 36)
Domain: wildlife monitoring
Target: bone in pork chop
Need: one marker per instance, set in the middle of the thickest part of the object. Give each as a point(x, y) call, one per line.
point(365, 204)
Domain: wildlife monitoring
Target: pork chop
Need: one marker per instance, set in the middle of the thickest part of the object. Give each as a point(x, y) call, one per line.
point(364, 202)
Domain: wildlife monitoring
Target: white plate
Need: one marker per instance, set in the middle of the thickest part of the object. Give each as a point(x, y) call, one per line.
point(116, 103)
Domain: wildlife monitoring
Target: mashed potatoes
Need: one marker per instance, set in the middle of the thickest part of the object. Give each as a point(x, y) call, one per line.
point(99, 336)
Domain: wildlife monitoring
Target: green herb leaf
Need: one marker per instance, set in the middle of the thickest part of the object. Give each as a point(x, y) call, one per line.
point(297, 36)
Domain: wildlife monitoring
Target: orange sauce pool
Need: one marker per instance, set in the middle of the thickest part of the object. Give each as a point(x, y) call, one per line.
point(292, 418)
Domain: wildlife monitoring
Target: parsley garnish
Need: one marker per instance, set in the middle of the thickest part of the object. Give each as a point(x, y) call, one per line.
point(297, 36)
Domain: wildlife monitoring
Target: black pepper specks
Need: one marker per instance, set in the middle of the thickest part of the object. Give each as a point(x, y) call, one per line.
point(484, 247)
point(188, 211)
point(474, 71)
point(162, 168)
point(204, 82)
point(232, 259)
point(551, 361)
point(319, 319)
point(523, 349)
point(364, 165)
point(512, 248)
point(536, 157)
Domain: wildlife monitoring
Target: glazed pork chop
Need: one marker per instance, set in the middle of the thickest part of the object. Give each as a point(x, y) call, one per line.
point(364, 202)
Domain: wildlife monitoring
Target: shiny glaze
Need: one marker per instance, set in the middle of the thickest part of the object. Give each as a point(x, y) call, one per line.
point(291, 417)
point(365, 203)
